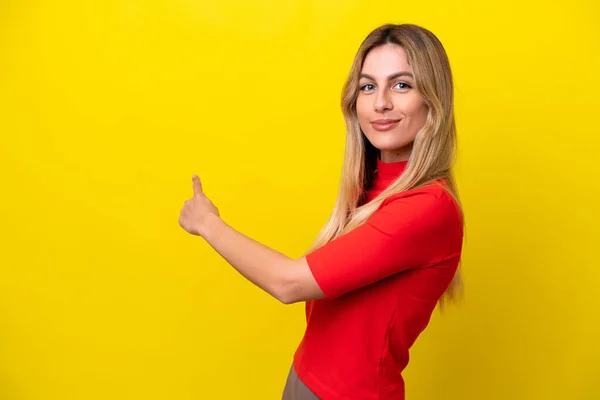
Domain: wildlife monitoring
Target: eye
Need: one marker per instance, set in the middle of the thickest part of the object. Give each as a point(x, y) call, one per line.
point(402, 86)
point(367, 87)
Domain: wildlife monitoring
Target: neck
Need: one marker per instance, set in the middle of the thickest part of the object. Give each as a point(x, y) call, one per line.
point(390, 156)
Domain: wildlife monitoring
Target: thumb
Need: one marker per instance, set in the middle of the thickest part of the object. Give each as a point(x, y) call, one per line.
point(197, 184)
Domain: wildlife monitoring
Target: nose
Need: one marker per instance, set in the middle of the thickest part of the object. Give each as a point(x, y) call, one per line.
point(383, 101)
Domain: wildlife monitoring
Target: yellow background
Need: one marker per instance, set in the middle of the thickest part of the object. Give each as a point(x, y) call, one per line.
point(107, 108)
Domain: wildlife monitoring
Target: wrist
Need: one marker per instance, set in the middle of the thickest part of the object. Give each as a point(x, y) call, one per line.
point(208, 225)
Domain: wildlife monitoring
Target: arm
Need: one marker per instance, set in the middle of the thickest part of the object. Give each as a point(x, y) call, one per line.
point(286, 279)
point(411, 231)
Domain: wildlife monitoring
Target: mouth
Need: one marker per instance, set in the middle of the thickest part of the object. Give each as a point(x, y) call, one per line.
point(385, 124)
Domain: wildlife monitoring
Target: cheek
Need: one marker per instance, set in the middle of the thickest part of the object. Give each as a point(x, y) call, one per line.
point(364, 111)
point(417, 111)
point(361, 108)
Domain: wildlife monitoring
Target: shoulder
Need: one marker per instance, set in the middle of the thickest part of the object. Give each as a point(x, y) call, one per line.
point(431, 195)
point(430, 205)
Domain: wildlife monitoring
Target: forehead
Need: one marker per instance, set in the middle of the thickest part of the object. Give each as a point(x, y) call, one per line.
point(386, 60)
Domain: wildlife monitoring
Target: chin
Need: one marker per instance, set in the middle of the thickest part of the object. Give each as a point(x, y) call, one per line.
point(387, 141)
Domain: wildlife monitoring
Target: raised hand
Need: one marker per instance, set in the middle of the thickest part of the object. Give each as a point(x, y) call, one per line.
point(197, 210)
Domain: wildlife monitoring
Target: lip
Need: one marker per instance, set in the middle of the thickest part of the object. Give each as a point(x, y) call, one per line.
point(384, 124)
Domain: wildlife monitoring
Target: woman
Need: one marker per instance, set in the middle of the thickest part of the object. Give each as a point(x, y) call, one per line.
point(391, 248)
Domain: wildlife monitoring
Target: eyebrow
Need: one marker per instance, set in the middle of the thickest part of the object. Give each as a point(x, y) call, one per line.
point(390, 77)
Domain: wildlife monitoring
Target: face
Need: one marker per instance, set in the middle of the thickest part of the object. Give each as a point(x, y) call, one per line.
point(390, 110)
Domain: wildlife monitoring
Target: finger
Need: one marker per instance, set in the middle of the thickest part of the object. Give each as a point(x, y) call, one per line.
point(197, 184)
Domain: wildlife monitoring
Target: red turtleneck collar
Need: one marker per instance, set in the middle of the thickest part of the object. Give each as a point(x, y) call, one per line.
point(386, 173)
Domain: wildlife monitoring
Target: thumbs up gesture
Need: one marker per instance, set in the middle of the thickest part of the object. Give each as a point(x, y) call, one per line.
point(197, 210)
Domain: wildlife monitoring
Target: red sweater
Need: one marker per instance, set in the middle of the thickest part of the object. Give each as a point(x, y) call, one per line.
point(382, 282)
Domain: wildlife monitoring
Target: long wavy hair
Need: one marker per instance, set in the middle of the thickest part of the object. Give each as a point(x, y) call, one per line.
point(434, 148)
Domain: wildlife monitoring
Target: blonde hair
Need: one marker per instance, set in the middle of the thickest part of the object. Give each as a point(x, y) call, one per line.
point(434, 147)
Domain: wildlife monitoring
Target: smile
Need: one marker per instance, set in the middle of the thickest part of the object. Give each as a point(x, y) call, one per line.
point(384, 124)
